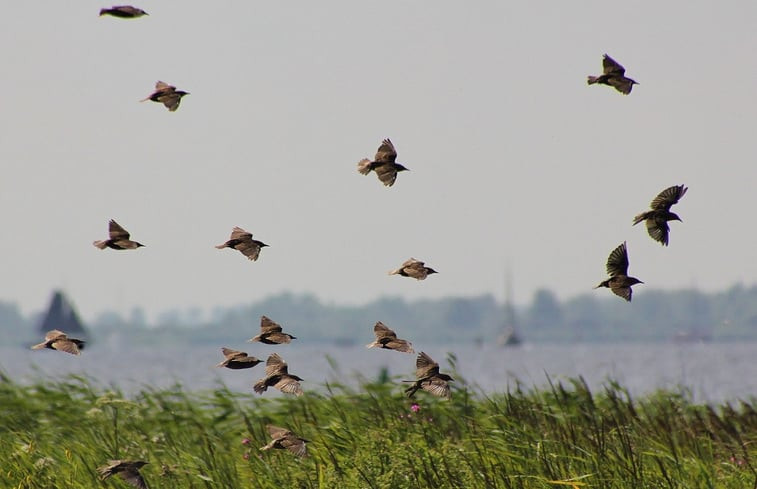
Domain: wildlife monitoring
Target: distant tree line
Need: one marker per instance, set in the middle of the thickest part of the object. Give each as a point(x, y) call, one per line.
point(654, 315)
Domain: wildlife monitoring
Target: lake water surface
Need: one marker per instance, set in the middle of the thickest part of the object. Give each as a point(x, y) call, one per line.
point(711, 372)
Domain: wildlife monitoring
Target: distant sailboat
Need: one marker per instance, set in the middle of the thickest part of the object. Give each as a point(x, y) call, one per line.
point(62, 316)
point(509, 335)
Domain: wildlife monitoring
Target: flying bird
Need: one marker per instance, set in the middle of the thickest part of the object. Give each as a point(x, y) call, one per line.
point(285, 439)
point(242, 241)
point(617, 268)
point(657, 219)
point(271, 333)
point(119, 239)
point(415, 269)
point(386, 338)
point(123, 11)
point(613, 75)
point(384, 165)
point(127, 470)
point(429, 378)
point(277, 375)
point(237, 360)
point(58, 340)
point(167, 95)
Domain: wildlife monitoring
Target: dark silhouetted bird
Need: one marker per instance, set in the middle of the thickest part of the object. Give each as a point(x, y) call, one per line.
point(429, 378)
point(614, 76)
point(237, 360)
point(167, 95)
point(386, 338)
point(285, 439)
point(119, 239)
point(123, 11)
point(58, 340)
point(277, 375)
point(617, 268)
point(415, 269)
point(384, 165)
point(270, 333)
point(242, 241)
point(657, 219)
point(127, 470)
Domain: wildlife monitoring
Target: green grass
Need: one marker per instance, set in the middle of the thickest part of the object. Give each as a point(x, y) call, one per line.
point(54, 435)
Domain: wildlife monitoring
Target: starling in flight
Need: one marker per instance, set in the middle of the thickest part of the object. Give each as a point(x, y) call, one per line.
point(242, 241)
point(617, 268)
point(277, 375)
point(127, 470)
point(167, 95)
point(386, 338)
point(657, 219)
point(384, 165)
point(119, 239)
point(123, 11)
point(237, 360)
point(415, 269)
point(429, 378)
point(285, 439)
point(614, 76)
point(270, 333)
point(58, 340)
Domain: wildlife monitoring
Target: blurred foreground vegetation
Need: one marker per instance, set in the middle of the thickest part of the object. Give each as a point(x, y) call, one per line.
point(54, 435)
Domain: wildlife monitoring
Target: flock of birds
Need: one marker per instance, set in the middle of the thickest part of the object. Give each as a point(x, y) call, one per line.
point(386, 168)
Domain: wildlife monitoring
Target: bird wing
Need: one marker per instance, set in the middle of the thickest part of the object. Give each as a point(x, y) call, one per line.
point(171, 100)
point(249, 248)
point(621, 84)
point(622, 291)
point(66, 345)
point(133, 477)
point(277, 432)
point(668, 197)
point(116, 231)
point(436, 386)
point(617, 262)
point(289, 385)
point(612, 67)
point(279, 338)
point(386, 173)
point(412, 262)
point(399, 345)
point(381, 331)
point(229, 353)
point(269, 326)
point(275, 365)
point(386, 152)
point(54, 334)
point(425, 366)
point(295, 444)
point(658, 230)
point(164, 87)
point(239, 233)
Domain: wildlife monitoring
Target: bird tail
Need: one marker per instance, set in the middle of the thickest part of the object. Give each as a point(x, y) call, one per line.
point(100, 244)
point(222, 364)
point(269, 446)
point(394, 272)
point(221, 246)
point(373, 344)
point(591, 80)
point(641, 217)
point(253, 340)
point(260, 386)
point(39, 346)
point(103, 11)
point(364, 166)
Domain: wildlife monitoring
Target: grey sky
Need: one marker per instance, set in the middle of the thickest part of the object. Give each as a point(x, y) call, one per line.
point(514, 160)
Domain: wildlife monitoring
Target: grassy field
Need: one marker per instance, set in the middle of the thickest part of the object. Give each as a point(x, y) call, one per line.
point(55, 434)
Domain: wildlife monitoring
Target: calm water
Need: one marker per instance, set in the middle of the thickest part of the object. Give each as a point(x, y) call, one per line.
point(713, 372)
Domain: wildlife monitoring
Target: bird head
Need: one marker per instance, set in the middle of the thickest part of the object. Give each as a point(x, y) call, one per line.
point(140, 245)
point(674, 217)
point(635, 280)
point(263, 245)
point(430, 270)
point(401, 168)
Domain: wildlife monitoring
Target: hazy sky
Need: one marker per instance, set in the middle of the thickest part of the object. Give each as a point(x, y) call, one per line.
point(515, 162)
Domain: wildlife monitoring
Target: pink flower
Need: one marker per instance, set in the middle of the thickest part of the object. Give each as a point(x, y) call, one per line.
point(246, 456)
point(245, 441)
point(415, 408)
